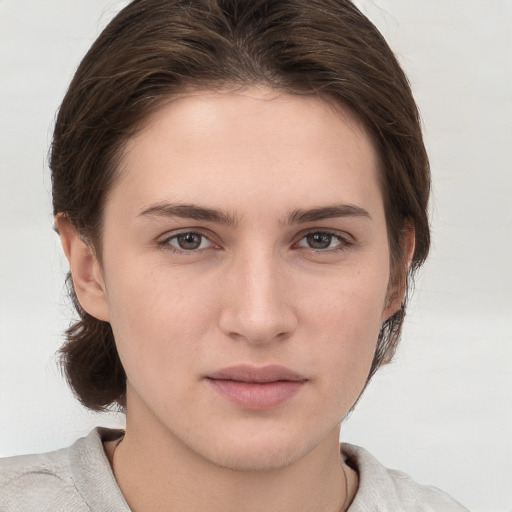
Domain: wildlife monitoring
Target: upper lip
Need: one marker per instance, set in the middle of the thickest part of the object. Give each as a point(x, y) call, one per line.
point(248, 373)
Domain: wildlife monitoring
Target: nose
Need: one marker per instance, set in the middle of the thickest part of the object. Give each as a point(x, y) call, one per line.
point(258, 300)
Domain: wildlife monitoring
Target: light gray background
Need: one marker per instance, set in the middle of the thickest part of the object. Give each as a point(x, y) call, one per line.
point(442, 411)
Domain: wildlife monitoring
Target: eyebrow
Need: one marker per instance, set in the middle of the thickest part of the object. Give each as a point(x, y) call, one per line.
point(189, 211)
point(299, 216)
point(328, 212)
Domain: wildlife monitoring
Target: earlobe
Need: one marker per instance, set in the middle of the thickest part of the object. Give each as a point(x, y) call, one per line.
point(85, 269)
point(398, 290)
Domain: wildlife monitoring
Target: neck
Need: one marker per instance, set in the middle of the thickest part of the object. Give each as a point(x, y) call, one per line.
point(157, 472)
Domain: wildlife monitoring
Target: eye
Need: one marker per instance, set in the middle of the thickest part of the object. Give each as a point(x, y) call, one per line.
point(189, 241)
point(321, 240)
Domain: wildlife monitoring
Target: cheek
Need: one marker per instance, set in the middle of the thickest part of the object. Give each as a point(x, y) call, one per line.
point(344, 320)
point(158, 321)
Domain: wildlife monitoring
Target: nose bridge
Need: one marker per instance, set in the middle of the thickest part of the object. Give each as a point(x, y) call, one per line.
point(257, 305)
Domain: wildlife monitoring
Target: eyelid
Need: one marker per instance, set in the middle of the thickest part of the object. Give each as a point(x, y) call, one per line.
point(164, 240)
point(346, 240)
point(189, 229)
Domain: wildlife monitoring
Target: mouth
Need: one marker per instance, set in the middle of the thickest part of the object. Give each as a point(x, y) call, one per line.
point(256, 388)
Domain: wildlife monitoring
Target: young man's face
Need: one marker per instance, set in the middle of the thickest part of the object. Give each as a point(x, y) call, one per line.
point(245, 273)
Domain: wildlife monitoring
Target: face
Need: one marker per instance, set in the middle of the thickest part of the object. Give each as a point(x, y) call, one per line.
point(245, 272)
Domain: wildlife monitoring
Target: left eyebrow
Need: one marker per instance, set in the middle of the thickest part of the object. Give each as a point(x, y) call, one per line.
point(327, 212)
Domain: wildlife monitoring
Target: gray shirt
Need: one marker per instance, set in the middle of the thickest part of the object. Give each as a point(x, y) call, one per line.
point(79, 479)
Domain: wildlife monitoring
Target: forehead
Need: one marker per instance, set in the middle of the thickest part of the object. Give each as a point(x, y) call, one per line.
point(249, 144)
point(204, 114)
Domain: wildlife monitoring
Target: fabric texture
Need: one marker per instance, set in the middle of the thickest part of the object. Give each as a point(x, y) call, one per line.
point(79, 479)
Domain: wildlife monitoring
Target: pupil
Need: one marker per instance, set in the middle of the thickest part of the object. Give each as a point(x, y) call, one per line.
point(189, 241)
point(319, 240)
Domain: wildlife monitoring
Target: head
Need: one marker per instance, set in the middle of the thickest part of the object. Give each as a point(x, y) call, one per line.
point(155, 58)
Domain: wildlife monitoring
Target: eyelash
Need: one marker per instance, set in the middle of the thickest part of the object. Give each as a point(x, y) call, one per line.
point(344, 242)
point(166, 243)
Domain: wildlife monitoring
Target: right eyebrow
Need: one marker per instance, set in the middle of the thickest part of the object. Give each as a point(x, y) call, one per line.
point(189, 211)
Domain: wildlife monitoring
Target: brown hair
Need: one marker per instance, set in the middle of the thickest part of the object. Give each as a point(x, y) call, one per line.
point(154, 49)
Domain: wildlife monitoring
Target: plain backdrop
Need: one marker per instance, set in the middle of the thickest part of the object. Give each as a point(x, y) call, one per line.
point(442, 411)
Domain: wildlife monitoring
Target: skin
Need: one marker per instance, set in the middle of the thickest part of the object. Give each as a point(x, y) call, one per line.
point(254, 292)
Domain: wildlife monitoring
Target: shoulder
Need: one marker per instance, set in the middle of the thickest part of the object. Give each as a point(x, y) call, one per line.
point(62, 480)
point(39, 482)
point(388, 490)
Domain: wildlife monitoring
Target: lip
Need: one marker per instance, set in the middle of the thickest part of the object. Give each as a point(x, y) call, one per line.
point(256, 388)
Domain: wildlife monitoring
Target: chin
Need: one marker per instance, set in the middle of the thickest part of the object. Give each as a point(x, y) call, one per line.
point(264, 451)
point(261, 458)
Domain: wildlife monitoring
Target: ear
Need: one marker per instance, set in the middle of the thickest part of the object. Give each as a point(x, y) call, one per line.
point(85, 269)
point(397, 291)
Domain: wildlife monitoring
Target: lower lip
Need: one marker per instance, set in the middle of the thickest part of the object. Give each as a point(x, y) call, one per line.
point(256, 396)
